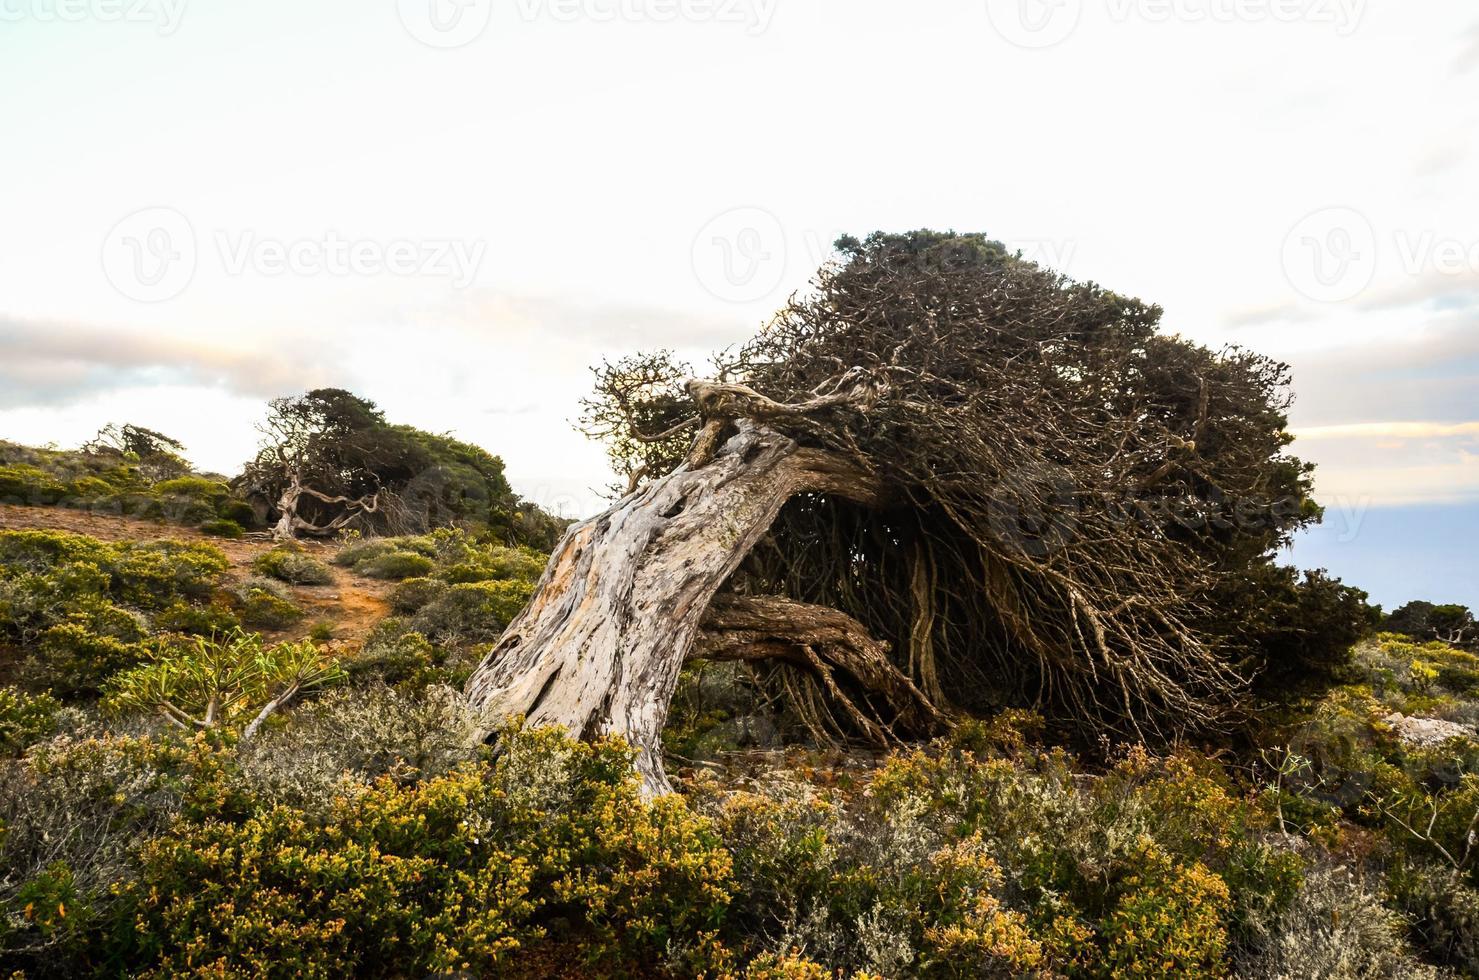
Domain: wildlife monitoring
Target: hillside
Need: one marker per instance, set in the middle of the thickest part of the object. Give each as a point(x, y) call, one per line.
point(1343, 847)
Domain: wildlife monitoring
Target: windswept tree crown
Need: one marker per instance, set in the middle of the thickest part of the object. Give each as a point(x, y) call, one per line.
point(1063, 498)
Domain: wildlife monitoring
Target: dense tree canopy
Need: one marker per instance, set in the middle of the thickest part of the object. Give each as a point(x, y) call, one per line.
point(1067, 506)
point(330, 460)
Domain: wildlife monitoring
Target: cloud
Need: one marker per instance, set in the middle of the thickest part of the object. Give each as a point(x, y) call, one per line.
point(49, 363)
point(1441, 159)
point(1390, 430)
point(1469, 59)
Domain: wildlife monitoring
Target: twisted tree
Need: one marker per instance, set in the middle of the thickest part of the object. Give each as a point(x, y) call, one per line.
point(943, 480)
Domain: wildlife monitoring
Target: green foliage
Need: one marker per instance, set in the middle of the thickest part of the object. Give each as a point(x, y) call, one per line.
point(25, 719)
point(219, 680)
point(1389, 756)
point(132, 472)
point(453, 874)
point(73, 813)
point(963, 861)
point(23, 484)
point(397, 657)
point(1299, 631)
point(1426, 621)
point(266, 604)
point(467, 590)
point(396, 565)
point(287, 564)
point(222, 528)
point(341, 446)
point(83, 608)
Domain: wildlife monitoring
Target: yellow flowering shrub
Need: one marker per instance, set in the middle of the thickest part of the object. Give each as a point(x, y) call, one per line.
point(454, 874)
point(1169, 921)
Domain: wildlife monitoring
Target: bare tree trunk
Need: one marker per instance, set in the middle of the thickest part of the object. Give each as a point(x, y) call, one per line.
point(599, 648)
point(287, 509)
point(825, 642)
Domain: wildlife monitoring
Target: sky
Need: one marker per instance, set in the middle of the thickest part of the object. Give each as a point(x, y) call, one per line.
point(454, 207)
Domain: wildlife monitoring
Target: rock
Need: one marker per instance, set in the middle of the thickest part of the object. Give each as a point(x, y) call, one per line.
point(1426, 732)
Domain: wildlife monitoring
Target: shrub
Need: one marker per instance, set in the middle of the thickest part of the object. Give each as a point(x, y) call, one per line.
point(74, 810)
point(64, 569)
point(1169, 921)
point(453, 874)
point(1335, 928)
point(366, 550)
point(196, 620)
point(265, 609)
point(351, 738)
point(395, 657)
point(73, 659)
point(472, 613)
point(23, 484)
point(190, 500)
point(415, 593)
point(217, 681)
point(287, 564)
point(25, 719)
point(236, 511)
point(395, 565)
point(1442, 910)
point(222, 528)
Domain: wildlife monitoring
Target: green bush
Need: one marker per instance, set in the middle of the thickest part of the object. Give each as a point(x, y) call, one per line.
point(472, 613)
point(237, 511)
point(367, 550)
point(264, 609)
point(455, 874)
point(287, 564)
point(74, 812)
point(112, 481)
point(395, 566)
point(413, 594)
point(223, 528)
point(344, 742)
point(969, 862)
point(81, 609)
point(22, 484)
point(25, 719)
point(395, 657)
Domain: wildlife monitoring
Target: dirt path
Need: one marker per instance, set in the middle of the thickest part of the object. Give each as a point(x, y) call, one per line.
point(352, 603)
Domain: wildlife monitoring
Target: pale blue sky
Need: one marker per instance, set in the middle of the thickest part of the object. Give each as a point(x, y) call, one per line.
point(456, 221)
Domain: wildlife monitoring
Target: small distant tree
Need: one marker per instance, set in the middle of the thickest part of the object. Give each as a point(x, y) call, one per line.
point(314, 468)
point(218, 681)
point(1297, 634)
point(1450, 623)
point(157, 456)
point(329, 460)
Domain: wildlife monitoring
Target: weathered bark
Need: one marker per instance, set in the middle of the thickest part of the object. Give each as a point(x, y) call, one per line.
point(290, 523)
point(823, 641)
point(599, 648)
